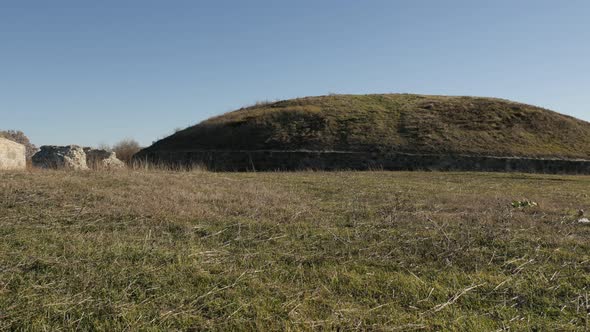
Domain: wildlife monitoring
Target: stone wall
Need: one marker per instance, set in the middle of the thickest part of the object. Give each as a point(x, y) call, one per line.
point(12, 155)
point(297, 160)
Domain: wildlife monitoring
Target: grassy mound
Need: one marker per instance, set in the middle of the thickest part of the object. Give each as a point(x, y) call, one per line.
point(391, 122)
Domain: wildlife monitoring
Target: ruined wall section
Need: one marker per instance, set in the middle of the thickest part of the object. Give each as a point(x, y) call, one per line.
point(12, 155)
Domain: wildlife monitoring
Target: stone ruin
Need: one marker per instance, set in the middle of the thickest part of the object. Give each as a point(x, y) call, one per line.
point(102, 159)
point(61, 157)
point(12, 155)
point(74, 157)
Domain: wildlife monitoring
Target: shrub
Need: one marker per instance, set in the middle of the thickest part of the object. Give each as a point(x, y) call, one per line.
point(125, 149)
point(104, 146)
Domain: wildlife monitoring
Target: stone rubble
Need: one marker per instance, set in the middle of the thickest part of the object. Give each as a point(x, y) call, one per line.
point(71, 157)
point(102, 159)
point(74, 157)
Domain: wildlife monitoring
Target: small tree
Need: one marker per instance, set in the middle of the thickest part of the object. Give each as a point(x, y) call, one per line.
point(125, 149)
point(20, 137)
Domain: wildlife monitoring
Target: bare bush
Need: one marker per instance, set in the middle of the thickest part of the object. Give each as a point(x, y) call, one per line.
point(125, 149)
point(105, 147)
point(20, 137)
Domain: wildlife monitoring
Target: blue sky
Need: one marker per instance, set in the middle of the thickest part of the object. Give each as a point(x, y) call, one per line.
point(91, 72)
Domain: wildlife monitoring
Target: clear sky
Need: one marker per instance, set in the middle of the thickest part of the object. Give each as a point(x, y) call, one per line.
point(90, 72)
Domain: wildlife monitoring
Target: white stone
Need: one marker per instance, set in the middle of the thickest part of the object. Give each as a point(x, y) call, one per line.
point(13, 156)
point(70, 157)
point(102, 159)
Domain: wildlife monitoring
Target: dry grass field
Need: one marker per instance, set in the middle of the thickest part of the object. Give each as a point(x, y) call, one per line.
point(384, 251)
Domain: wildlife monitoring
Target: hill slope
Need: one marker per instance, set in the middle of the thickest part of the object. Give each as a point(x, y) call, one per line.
point(391, 122)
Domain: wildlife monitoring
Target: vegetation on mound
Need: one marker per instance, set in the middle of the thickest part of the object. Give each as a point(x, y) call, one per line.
point(150, 251)
point(391, 122)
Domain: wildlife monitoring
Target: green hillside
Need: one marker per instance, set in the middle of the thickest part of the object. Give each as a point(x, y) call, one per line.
point(391, 122)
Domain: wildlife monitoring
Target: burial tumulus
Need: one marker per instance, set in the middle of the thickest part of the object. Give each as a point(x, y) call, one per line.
point(385, 131)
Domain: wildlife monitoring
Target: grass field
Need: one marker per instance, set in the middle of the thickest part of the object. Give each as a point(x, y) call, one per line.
point(387, 251)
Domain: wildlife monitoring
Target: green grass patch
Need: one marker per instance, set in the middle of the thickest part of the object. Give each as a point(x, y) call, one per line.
point(293, 251)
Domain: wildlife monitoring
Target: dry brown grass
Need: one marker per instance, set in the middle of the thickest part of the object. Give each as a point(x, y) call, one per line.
point(164, 250)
